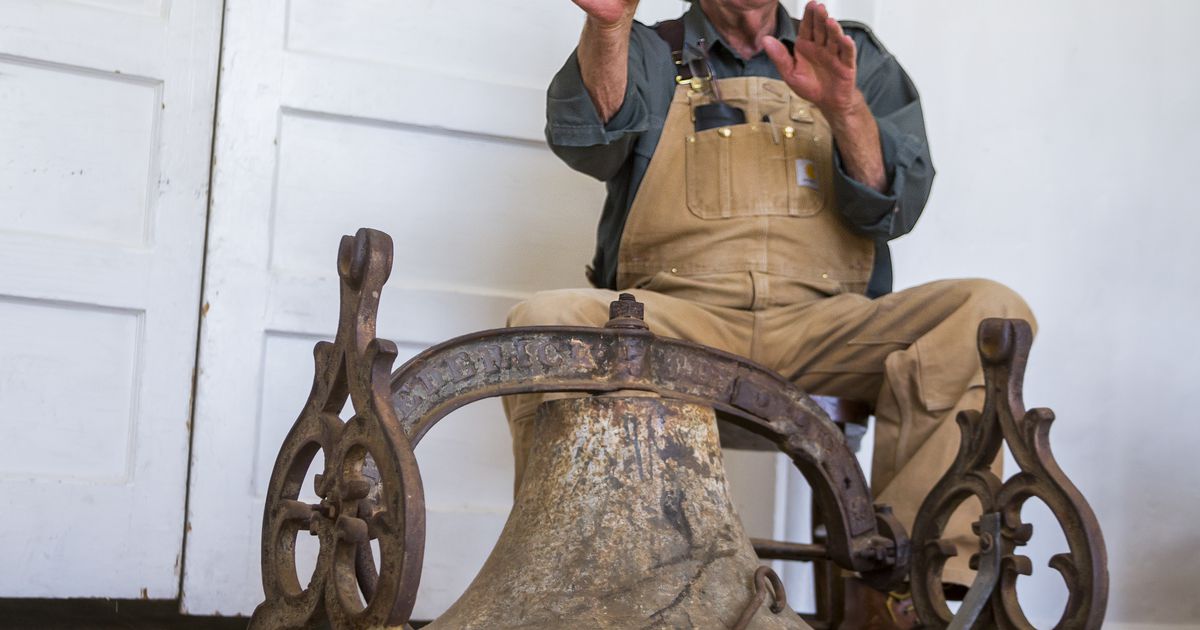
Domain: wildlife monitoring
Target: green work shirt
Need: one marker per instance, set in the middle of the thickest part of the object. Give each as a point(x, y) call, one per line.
point(618, 153)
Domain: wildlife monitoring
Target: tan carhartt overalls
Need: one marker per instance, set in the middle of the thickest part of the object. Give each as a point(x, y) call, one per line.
point(734, 241)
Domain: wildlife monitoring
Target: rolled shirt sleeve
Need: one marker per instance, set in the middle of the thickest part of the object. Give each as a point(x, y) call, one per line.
point(894, 101)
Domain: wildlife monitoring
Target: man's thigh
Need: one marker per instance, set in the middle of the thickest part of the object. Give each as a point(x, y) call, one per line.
point(839, 345)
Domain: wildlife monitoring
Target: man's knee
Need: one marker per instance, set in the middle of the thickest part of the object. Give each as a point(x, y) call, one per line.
point(562, 307)
point(988, 298)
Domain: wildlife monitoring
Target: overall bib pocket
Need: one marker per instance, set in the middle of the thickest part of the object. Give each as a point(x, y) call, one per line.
point(756, 170)
point(809, 164)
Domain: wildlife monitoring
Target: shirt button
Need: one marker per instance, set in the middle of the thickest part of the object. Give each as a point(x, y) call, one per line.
point(789, 132)
point(725, 132)
point(674, 270)
point(825, 276)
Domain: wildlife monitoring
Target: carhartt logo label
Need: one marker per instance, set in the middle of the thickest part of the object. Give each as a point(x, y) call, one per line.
point(806, 174)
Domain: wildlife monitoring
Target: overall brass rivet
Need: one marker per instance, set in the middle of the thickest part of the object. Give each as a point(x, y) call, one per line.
point(789, 132)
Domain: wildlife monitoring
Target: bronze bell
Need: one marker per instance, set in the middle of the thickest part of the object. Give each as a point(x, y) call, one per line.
point(624, 518)
point(623, 521)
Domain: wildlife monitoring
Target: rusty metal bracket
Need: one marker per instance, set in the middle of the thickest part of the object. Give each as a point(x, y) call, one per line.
point(1004, 346)
point(356, 366)
point(371, 489)
point(987, 577)
point(766, 581)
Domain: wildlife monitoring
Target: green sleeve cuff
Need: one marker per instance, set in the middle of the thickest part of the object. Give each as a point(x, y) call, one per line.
point(572, 119)
point(866, 209)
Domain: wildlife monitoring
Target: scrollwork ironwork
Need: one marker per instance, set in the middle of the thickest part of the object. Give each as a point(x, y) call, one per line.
point(1004, 347)
point(345, 587)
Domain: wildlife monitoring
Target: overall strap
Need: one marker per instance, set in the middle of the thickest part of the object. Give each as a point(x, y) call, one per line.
point(671, 31)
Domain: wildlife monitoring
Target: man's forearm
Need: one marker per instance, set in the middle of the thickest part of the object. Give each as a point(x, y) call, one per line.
point(604, 64)
point(857, 136)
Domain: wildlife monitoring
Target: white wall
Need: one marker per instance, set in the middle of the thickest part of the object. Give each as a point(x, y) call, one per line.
point(1064, 136)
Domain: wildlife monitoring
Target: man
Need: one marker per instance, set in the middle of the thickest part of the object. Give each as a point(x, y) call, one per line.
point(766, 236)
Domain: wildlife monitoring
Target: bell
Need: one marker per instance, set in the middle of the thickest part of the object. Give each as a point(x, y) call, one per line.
point(623, 521)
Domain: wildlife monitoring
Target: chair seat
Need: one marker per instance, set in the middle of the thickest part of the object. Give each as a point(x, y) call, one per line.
point(850, 415)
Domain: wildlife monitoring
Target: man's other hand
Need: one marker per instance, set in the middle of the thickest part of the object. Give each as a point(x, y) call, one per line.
point(822, 70)
point(823, 66)
point(609, 13)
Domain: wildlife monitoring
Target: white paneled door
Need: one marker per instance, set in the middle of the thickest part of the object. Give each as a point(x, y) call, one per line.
point(106, 118)
point(419, 117)
point(422, 118)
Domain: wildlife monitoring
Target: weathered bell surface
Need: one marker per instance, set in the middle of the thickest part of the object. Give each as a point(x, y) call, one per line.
point(624, 521)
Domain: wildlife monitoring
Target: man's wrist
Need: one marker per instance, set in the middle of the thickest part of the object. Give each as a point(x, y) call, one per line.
point(619, 27)
point(854, 114)
point(856, 134)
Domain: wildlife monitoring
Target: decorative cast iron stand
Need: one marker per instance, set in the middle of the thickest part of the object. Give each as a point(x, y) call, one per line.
point(371, 490)
point(992, 601)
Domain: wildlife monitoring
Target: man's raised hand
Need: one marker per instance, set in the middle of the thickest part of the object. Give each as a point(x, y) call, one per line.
point(823, 66)
point(609, 13)
point(822, 70)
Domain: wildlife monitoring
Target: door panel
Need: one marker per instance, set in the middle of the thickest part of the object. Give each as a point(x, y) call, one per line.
point(106, 112)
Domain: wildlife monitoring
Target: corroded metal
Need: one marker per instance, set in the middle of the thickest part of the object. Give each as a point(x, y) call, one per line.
point(1004, 346)
point(781, 550)
point(624, 520)
point(851, 416)
point(356, 366)
point(370, 488)
point(597, 360)
point(973, 605)
point(766, 582)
